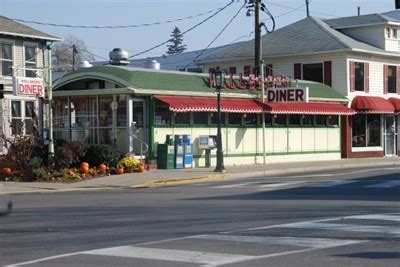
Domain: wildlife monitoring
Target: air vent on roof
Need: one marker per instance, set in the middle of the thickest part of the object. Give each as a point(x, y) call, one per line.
point(119, 57)
point(152, 64)
point(84, 64)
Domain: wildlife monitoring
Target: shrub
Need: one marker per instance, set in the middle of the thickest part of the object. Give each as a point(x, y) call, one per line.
point(35, 163)
point(63, 157)
point(129, 163)
point(106, 154)
point(41, 174)
point(79, 150)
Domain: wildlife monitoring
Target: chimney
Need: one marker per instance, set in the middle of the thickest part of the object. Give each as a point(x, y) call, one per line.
point(397, 3)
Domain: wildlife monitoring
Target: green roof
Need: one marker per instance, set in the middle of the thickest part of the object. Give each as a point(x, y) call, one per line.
point(174, 82)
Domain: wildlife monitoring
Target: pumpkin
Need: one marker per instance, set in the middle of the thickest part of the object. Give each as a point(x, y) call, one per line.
point(84, 164)
point(119, 170)
point(140, 168)
point(84, 169)
point(6, 170)
point(102, 168)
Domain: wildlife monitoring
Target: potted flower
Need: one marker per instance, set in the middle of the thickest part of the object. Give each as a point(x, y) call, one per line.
point(129, 163)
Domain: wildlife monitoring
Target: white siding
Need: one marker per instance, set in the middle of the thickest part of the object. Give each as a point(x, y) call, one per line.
point(392, 45)
point(371, 35)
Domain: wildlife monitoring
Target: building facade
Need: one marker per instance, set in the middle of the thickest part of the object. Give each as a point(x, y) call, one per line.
point(359, 56)
point(22, 69)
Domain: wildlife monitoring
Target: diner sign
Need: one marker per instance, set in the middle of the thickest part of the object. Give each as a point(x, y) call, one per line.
point(251, 81)
point(24, 86)
point(287, 94)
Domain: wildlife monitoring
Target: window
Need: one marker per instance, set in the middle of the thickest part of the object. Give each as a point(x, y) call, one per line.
point(332, 120)
point(359, 76)
point(182, 118)
point(279, 120)
point(6, 59)
point(391, 79)
point(138, 107)
point(250, 119)
point(162, 114)
point(366, 130)
point(394, 33)
point(320, 120)
point(121, 111)
point(307, 120)
point(388, 33)
point(30, 61)
point(22, 117)
point(294, 120)
point(200, 118)
point(234, 118)
point(313, 72)
point(391, 33)
point(214, 118)
point(268, 119)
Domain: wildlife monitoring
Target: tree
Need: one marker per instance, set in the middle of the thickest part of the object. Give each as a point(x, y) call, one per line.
point(62, 53)
point(176, 46)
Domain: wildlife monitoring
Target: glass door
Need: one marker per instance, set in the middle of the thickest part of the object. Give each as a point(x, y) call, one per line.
point(390, 135)
point(137, 127)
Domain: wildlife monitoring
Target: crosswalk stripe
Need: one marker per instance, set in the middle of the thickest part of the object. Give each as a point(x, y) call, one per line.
point(382, 217)
point(386, 184)
point(333, 183)
point(198, 257)
point(283, 240)
point(345, 227)
point(280, 184)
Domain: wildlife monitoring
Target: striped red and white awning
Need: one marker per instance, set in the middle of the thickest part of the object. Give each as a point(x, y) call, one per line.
point(316, 108)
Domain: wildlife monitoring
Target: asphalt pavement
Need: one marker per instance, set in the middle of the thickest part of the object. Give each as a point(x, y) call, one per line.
point(194, 175)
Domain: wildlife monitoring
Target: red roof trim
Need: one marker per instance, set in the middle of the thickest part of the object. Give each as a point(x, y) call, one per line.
point(372, 104)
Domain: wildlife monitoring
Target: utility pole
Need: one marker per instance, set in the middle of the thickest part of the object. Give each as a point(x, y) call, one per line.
point(50, 108)
point(73, 57)
point(257, 34)
point(308, 8)
point(359, 11)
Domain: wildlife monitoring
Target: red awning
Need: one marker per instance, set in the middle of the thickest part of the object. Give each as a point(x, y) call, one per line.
point(372, 104)
point(317, 108)
point(396, 103)
point(209, 104)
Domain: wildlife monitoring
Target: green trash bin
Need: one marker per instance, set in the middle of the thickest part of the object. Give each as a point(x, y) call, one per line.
point(165, 156)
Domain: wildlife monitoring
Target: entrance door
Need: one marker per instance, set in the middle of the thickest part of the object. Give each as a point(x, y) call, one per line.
point(137, 126)
point(390, 135)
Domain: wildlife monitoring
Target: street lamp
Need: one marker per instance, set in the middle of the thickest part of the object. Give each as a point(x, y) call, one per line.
point(219, 78)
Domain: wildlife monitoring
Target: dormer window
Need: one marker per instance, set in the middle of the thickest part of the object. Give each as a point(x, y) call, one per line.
point(391, 33)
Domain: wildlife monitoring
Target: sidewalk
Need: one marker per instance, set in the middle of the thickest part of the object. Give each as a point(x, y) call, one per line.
point(163, 177)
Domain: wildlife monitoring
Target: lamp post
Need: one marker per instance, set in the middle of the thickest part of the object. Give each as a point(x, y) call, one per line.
point(218, 76)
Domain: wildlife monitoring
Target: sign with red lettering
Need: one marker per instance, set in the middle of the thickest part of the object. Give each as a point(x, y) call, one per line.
point(287, 94)
point(24, 86)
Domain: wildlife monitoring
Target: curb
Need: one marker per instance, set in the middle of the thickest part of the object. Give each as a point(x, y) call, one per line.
point(174, 181)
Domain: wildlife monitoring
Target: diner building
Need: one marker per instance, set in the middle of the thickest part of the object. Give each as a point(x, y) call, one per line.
point(129, 107)
point(358, 56)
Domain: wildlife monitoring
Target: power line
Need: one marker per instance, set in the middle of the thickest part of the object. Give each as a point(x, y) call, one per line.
point(298, 9)
point(188, 30)
point(118, 26)
point(218, 35)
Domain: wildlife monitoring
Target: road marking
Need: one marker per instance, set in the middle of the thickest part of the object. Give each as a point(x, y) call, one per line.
point(283, 240)
point(386, 184)
point(382, 217)
point(341, 173)
point(275, 185)
point(234, 185)
point(333, 183)
point(346, 227)
point(199, 257)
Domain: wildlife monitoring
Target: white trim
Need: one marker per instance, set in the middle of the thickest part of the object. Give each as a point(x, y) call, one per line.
point(24, 60)
point(367, 149)
point(31, 36)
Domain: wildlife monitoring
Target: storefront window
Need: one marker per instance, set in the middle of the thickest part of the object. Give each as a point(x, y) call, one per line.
point(60, 111)
point(83, 111)
point(294, 120)
point(307, 120)
point(250, 119)
point(138, 115)
point(200, 118)
point(182, 118)
point(162, 114)
point(320, 120)
point(359, 76)
point(391, 79)
point(268, 119)
point(313, 72)
point(332, 120)
point(358, 130)
point(105, 111)
point(214, 118)
point(280, 120)
point(121, 111)
point(373, 130)
point(234, 118)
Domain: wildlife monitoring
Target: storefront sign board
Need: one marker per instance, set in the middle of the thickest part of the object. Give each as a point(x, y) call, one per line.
point(24, 86)
point(287, 94)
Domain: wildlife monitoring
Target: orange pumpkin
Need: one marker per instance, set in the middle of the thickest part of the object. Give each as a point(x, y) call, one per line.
point(6, 170)
point(84, 169)
point(119, 170)
point(84, 164)
point(140, 168)
point(102, 168)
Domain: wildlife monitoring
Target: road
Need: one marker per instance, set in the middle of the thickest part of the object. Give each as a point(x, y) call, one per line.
point(336, 218)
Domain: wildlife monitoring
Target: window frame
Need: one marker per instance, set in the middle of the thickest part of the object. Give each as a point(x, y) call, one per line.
point(28, 63)
point(394, 82)
point(314, 63)
point(12, 44)
point(22, 118)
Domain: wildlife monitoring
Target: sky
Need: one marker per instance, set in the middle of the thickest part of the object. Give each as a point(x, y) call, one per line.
point(134, 12)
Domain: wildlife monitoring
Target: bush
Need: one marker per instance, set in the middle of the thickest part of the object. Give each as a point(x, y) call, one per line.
point(106, 154)
point(79, 150)
point(41, 174)
point(35, 163)
point(63, 157)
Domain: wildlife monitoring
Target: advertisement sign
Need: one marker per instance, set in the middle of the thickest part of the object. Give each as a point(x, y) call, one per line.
point(24, 86)
point(287, 94)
